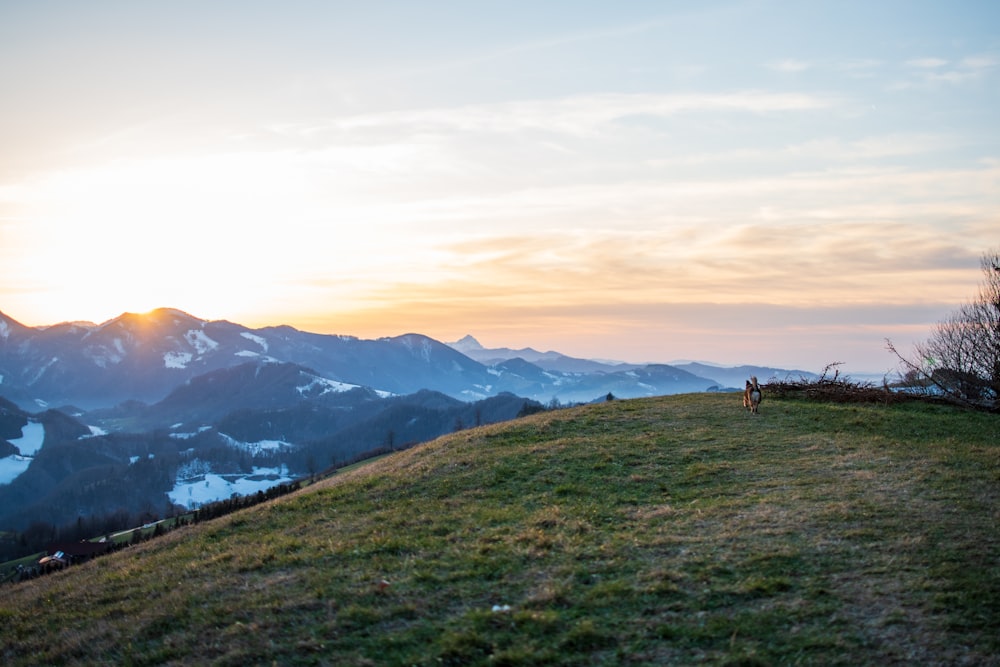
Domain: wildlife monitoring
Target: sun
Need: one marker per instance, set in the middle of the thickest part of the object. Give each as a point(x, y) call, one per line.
point(138, 234)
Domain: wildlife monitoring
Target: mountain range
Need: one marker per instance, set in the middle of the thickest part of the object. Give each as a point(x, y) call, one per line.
point(148, 413)
point(144, 357)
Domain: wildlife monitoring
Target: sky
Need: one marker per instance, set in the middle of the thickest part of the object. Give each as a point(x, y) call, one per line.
point(734, 181)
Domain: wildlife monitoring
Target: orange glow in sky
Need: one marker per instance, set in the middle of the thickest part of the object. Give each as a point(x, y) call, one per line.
point(729, 181)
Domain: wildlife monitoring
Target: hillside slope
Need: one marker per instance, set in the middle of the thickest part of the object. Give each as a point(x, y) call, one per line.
point(673, 530)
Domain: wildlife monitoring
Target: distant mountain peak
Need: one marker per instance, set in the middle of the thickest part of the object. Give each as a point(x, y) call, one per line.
point(176, 312)
point(466, 344)
point(164, 314)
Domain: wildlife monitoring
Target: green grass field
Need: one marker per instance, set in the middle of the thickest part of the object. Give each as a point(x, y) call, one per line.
point(675, 530)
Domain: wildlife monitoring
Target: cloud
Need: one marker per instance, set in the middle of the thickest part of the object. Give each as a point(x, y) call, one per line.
point(979, 63)
point(791, 66)
point(580, 115)
point(795, 262)
point(832, 286)
point(927, 63)
point(954, 77)
point(876, 147)
point(937, 71)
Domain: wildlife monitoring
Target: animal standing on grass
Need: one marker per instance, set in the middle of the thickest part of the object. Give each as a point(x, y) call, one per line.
point(751, 395)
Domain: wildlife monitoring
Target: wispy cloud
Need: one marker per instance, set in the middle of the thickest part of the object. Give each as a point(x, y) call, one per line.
point(812, 249)
point(875, 147)
point(931, 71)
point(583, 114)
point(981, 62)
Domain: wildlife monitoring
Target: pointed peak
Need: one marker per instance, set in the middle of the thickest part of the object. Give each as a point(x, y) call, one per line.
point(467, 342)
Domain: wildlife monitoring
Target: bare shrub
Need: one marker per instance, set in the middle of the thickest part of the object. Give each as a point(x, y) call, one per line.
point(961, 359)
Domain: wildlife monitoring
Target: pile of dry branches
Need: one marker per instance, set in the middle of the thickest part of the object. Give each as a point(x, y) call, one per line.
point(835, 389)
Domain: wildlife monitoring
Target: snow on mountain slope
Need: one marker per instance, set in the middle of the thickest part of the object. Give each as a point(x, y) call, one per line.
point(177, 360)
point(260, 340)
point(32, 437)
point(200, 341)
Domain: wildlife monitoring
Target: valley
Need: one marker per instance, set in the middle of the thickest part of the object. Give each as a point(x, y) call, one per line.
point(147, 415)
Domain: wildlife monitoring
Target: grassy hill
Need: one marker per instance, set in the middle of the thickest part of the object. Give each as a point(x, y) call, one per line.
point(673, 530)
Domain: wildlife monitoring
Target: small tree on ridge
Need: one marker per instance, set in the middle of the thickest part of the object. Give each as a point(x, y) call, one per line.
point(962, 356)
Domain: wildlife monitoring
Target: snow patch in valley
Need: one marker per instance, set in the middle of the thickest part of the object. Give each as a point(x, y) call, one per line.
point(209, 487)
point(186, 436)
point(259, 447)
point(32, 437)
point(11, 468)
point(94, 432)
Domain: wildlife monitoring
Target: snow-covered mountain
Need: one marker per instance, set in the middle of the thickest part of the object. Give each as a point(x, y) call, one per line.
point(144, 357)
